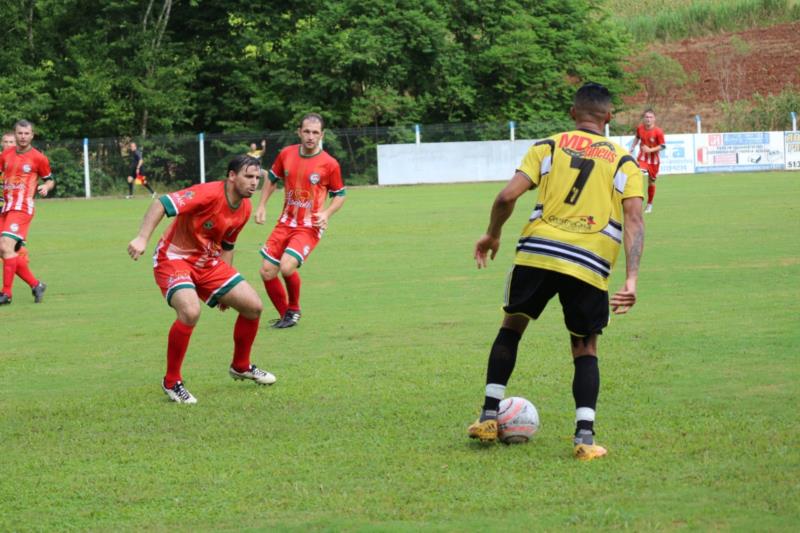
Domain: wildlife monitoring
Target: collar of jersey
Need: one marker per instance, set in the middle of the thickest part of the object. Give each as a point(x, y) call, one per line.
point(300, 151)
point(228, 200)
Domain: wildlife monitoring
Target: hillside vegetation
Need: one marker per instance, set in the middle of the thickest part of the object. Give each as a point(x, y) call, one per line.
point(653, 20)
point(736, 63)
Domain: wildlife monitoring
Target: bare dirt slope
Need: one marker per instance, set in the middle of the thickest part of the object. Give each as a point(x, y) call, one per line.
point(723, 68)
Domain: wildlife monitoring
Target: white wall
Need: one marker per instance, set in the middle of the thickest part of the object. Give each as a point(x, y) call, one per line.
point(449, 162)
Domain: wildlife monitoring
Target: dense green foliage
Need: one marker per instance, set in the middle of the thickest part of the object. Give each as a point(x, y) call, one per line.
point(115, 68)
point(365, 428)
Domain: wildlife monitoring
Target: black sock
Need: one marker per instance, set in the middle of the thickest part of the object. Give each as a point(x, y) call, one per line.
point(502, 359)
point(585, 388)
point(130, 189)
point(149, 188)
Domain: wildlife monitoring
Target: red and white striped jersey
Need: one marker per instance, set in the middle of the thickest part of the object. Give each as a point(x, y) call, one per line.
point(21, 174)
point(651, 138)
point(307, 180)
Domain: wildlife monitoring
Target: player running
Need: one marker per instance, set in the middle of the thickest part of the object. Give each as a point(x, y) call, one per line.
point(651, 141)
point(22, 166)
point(587, 186)
point(22, 252)
point(193, 261)
point(309, 175)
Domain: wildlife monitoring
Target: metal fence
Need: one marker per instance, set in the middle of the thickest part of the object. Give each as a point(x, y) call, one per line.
point(99, 166)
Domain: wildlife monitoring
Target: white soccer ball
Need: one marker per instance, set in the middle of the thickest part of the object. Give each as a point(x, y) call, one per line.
point(517, 420)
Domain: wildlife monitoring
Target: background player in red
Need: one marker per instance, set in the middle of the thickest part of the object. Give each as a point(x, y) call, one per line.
point(9, 142)
point(309, 175)
point(193, 261)
point(651, 141)
point(22, 166)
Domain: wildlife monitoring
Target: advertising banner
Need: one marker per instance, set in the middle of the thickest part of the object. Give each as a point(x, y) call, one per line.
point(792, 140)
point(734, 152)
point(677, 158)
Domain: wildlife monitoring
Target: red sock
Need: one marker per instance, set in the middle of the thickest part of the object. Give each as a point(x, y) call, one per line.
point(277, 294)
point(651, 192)
point(24, 272)
point(244, 333)
point(9, 269)
point(179, 335)
point(293, 286)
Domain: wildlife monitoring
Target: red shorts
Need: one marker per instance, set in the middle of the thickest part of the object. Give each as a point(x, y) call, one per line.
point(650, 168)
point(15, 224)
point(210, 283)
point(297, 242)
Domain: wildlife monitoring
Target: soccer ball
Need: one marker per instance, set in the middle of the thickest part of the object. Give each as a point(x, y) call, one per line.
point(517, 420)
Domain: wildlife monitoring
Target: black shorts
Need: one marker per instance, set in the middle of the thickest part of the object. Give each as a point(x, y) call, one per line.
point(528, 289)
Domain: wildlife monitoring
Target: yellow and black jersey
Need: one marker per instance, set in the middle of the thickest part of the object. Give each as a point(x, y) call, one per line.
point(576, 226)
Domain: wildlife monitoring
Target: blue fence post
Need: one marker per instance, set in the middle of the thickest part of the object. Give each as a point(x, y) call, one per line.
point(87, 184)
point(416, 133)
point(793, 115)
point(699, 127)
point(512, 130)
point(201, 142)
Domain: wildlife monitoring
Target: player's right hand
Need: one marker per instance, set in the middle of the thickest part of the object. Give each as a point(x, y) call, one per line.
point(261, 214)
point(136, 247)
point(486, 244)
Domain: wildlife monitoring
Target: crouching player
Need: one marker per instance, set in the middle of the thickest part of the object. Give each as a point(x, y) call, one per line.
point(193, 261)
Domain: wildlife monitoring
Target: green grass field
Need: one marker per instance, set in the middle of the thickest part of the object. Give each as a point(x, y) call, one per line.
point(365, 429)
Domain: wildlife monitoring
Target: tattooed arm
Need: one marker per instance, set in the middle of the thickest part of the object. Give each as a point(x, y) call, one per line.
point(625, 298)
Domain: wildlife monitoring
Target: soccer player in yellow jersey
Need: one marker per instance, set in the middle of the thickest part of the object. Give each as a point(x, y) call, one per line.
point(590, 201)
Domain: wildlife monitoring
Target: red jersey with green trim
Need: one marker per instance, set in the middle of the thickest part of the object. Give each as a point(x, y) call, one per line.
point(650, 138)
point(307, 180)
point(205, 224)
point(21, 173)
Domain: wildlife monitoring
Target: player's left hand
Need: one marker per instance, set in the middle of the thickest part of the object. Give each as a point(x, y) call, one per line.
point(486, 244)
point(43, 190)
point(320, 220)
point(623, 299)
point(222, 307)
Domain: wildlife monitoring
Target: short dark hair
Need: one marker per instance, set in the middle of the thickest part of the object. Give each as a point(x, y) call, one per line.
point(648, 110)
point(592, 96)
point(314, 117)
point(22, 124)
point(242, 161)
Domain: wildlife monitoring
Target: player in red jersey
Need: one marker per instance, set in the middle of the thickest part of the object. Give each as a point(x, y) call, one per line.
point(8, 142)
point(651, 141)
point(309, 175)
point(23, 166)
point(193, 261)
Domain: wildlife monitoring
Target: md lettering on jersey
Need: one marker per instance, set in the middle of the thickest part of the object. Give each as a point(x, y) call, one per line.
point(579, 143)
